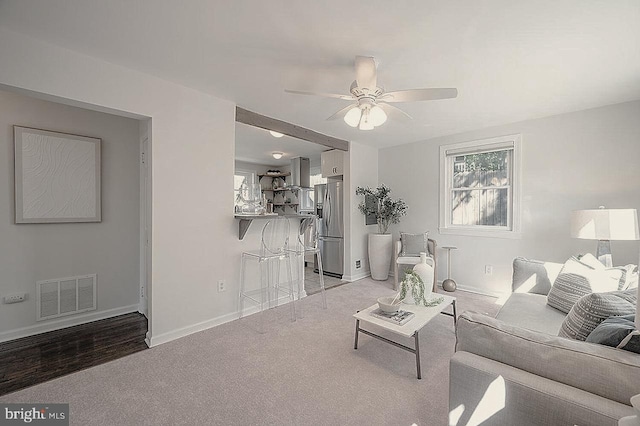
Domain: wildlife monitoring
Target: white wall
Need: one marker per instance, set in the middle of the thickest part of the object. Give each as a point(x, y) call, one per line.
point(33, 252)
point(571, 161)
point(194, 236)
point(361, 169)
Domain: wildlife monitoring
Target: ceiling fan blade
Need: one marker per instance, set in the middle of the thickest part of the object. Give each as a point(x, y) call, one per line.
point(419, 95)
point(324, 95)
point(366, 74)
point(342, 112)
point(394, 112)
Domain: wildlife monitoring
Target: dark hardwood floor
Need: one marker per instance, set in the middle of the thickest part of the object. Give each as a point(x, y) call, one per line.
point(36, 359)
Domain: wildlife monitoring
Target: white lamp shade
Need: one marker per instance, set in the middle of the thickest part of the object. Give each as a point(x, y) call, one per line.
point(377, 116)
point(352, 118)
point(276, 134)
point(605, 224)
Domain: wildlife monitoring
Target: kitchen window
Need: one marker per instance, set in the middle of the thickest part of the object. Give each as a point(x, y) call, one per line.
point(239, 177)
point(480, 187)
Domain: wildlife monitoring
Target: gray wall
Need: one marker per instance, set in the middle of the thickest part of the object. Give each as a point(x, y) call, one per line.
point(33, 252)
point(571, 161)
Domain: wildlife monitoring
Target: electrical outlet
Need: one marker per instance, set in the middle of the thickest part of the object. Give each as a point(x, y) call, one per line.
point(15, 298)
point(488, 270)
point(222, 285)
point(358, 264)
point(141, 291)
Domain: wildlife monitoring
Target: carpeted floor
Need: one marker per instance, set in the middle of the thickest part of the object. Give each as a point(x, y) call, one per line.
point(312, 282)
point(297, 373)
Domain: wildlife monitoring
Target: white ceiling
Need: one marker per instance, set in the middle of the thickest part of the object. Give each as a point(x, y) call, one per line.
point(255, 145)
point(510, 60)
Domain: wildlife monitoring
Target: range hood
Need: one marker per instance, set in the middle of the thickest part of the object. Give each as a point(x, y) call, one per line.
point(300, 172)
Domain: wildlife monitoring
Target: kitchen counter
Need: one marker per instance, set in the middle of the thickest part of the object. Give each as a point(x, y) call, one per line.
point(246, 220)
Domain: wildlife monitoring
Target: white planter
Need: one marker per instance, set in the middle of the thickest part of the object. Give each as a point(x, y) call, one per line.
point(426, 273)
point(380, 246)
point(408, 299)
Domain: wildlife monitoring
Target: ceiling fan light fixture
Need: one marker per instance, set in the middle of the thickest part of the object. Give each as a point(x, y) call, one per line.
point(365, 122)
point(366, 113)
point(352, 117)
point(276, 134)
point(277, 155)
point(377, 116)
point(366, 125)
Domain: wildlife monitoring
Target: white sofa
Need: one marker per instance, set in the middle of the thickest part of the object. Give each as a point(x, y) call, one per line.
point(515, 370)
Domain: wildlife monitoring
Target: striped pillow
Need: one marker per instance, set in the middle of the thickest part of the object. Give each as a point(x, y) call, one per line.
point(579, 277)
point(594, 308)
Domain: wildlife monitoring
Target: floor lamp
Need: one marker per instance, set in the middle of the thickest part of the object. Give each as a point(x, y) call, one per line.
point(605, 225)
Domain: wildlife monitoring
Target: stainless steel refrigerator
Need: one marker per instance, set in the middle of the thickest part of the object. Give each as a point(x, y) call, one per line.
point(328, 200)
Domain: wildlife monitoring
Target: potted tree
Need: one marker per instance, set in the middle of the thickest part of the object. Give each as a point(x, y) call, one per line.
point(377, 203)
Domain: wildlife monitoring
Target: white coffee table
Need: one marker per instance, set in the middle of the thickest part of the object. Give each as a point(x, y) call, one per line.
point(411, 329)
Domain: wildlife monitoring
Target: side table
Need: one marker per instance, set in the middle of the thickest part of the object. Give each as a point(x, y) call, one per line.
point(449, 284)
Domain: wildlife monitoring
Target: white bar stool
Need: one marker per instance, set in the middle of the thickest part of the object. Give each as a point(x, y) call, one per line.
point(274, 249)
point(309, 245)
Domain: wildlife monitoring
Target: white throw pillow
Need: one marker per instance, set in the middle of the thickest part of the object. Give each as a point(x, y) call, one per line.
point(579, 277)
point(630, 277)
point(629, 273)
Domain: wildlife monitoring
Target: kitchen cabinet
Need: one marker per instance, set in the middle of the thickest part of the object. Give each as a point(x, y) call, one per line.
point(332, 163)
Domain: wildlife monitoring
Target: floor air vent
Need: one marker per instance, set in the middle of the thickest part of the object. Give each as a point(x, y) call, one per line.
point(65, 296)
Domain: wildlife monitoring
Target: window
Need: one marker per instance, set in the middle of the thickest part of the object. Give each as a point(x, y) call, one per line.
point(240, 177)
point(480, 193)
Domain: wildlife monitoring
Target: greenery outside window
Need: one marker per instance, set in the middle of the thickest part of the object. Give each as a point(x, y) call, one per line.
point(480, 187)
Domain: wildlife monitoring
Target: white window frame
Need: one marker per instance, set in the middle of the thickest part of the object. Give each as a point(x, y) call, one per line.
point(251, 174)
point(447, 155)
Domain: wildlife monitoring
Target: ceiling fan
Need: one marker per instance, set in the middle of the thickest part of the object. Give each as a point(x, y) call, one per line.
point(372, 103)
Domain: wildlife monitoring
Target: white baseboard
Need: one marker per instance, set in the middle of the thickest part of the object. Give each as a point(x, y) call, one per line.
point(356, 277)
point(142, 308)
point(475, 290)
point(190, 329)
point(201, 326)
point(64, 323)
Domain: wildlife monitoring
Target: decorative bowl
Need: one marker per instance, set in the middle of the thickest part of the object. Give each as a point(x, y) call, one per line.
point(386, 306)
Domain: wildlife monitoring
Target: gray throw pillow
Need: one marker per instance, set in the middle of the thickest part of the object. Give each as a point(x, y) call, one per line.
point(414, 244)
point(613, 330)
point(579, 277)
point(594, 308)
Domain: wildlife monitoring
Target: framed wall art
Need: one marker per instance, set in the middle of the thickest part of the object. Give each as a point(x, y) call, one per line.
point(57, 177)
